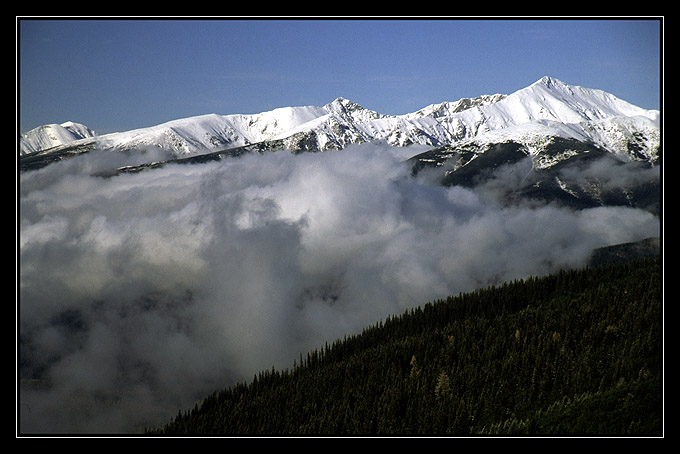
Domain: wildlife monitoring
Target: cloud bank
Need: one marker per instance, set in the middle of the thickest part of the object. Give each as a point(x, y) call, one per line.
point(142, 293)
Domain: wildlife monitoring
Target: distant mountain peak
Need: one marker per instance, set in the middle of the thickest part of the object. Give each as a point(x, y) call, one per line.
point(51, 135)
point(549, 81)
point(345, 105)
point(342, 101)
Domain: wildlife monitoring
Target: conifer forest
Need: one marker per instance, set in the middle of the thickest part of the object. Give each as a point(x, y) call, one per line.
point(575, 353)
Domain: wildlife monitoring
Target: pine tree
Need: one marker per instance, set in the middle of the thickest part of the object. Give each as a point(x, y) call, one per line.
point(443, 388)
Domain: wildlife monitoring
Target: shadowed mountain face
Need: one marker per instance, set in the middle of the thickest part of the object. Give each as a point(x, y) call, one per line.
point(571, 173)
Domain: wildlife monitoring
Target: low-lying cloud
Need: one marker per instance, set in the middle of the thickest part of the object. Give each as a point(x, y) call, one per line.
point(142, 293)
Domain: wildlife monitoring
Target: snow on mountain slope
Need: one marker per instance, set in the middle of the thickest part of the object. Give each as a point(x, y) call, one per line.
point(551, 99)
point(52, 135)
point(548, 107)
point(211, 132)
point(447, 108)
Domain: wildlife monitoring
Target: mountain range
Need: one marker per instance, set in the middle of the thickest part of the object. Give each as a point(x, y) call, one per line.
point(545, 125)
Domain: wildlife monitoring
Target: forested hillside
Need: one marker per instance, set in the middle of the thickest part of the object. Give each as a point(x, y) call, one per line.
point(574, 353)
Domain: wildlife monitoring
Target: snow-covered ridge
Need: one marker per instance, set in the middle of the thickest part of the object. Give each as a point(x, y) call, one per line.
point(547, 107)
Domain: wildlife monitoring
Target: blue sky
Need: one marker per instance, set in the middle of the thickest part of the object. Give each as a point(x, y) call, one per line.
point(116, 74)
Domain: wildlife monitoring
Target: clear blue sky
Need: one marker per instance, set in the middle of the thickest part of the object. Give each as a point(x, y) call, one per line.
point(116, 75)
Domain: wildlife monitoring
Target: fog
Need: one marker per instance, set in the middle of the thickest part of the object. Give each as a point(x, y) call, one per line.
point(140, 294)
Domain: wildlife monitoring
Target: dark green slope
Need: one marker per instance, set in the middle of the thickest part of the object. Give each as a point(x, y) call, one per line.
point(575, 353)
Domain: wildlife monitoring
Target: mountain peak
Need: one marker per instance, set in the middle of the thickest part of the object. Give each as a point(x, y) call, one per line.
point(546, 80)
point(550, 82)
point(51, 135)
point(345, 103)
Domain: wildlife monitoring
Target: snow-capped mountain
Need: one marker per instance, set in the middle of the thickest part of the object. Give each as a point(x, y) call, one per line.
point(49, 136)
point(531, 116)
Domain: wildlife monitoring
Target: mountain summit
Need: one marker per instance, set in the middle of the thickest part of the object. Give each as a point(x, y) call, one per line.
point(52, 135)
